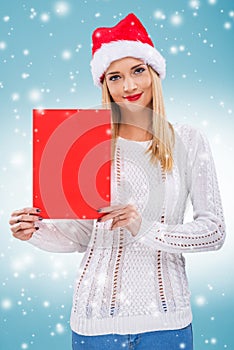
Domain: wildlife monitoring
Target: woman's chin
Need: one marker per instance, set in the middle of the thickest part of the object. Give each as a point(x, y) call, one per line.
point(131, 106)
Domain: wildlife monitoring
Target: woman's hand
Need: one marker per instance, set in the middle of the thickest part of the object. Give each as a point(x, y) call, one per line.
point(22, 223)
point(122, 216)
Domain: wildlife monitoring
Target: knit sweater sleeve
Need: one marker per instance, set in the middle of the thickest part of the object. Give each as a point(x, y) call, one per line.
point(207, 230)
point(63, 236)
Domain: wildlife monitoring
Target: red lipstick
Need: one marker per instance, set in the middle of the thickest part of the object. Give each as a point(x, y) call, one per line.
point(132, 98)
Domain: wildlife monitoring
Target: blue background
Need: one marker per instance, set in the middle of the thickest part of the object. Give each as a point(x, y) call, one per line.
point(45, 50)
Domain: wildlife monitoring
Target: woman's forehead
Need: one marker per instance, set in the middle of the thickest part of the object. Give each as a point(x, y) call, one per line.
point(125, 62)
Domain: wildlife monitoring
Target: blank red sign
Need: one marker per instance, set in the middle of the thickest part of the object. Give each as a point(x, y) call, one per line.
point(71, 162)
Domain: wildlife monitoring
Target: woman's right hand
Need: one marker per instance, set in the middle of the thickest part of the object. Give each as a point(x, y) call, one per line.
point(22, 223)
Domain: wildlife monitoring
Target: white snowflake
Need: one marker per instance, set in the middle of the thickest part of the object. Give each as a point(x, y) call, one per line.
point(6, 18)
point(194, 4)
point(62, 8)
point(158, 14)
point(24, 75)
point(2, 45)
point(227, 25)
point(46, 303)
point(33, 13)
point(78, 47)
point(200, 300)
point(213, 340)
point(174, 50)
point(15, 96)
point(6, 304)
point(45, 17)
point(176, 19)
point(212, 2)
point(34, 95)
point(26, 52)
point(59, 328)
point(66, 55)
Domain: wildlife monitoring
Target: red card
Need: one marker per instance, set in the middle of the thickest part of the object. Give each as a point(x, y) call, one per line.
point(71, 162)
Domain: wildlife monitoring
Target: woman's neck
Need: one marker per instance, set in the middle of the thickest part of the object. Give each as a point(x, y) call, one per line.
point(136, 126)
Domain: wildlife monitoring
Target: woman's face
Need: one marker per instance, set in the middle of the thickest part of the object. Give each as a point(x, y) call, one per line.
point(129, 82)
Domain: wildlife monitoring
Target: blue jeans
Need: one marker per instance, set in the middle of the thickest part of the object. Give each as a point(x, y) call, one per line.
point(159, 340)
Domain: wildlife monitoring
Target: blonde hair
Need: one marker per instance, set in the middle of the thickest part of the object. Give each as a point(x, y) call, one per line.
point(163, 139)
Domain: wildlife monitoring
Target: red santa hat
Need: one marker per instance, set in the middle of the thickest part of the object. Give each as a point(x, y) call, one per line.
point(128, 38)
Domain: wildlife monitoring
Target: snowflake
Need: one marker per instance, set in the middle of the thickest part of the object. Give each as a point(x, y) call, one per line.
point(66, 55)
point(176, 19)
point(213, 341)
point(2, 45)
point(15, 96)
point(33, 13)
point(59, 328)
point(212, 2)
point(6, 304)
point(6, 18)
point(26, 52)
point(34, 95)
point(159, 15)
point(173, 50)
point(45, 17)
point(200, 300)
point(227, 25)
point(194, 4)
point(24, 75)
point(62, 8)
point(46, 303)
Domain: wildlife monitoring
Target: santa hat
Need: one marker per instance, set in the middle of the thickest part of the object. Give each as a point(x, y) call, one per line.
point(128, 38)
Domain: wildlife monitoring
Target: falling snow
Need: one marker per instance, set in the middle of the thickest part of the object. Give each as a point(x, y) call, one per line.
point(176, 19)
point(62, 8)
point(2, 45)
point(45, 54)
point(66, 55)
point(159, 15)
point(45, 17)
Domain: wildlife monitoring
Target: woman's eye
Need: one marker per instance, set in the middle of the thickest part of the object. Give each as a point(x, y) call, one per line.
point(139, 70)
point(114, 77)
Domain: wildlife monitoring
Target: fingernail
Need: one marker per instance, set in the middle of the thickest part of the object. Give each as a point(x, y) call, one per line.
point(36, 228)
point(38, 210)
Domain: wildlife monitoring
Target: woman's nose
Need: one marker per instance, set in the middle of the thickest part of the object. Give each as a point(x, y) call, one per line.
point(129, 84)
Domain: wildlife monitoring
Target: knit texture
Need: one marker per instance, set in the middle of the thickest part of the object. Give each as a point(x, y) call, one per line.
point(138, 284)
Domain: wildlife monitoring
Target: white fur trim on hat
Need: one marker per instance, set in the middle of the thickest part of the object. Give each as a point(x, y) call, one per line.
point(125, 48)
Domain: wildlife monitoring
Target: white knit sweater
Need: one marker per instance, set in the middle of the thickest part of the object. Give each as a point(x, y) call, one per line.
point(137, 284)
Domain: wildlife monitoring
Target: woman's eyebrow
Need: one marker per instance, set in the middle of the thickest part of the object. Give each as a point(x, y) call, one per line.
point(138, 65)
point(112, 73)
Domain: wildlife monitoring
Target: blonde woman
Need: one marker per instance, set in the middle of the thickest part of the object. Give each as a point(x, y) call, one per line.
point(131, 290)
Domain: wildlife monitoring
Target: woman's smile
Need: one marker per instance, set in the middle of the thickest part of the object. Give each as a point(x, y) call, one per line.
point(135, 97)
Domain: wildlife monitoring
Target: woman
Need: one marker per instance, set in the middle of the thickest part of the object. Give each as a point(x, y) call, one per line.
point(132, 288)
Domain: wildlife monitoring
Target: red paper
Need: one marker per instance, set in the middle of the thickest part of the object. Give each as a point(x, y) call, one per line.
point(71, 162)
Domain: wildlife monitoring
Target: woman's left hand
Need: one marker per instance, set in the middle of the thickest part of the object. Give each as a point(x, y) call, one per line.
point(122, 216)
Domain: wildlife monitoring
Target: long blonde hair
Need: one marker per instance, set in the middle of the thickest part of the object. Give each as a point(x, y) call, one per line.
point(161, 148)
